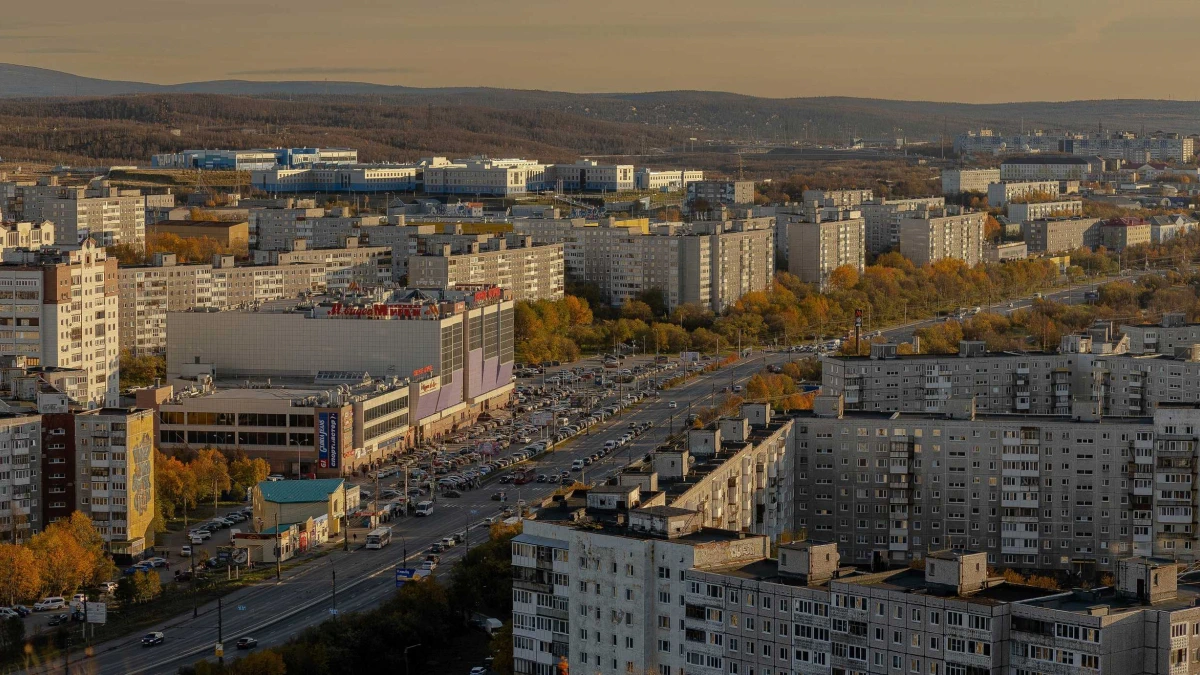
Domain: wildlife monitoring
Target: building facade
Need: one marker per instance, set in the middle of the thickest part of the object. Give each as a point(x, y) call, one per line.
point(816, 249)
point(1118, 234)
point(20, 481)
point(1158, 147)
point(1045, 167)
point(115, 487)
point(718, 192)
point(106, 215)
point(666, 180)
point(1000, 194)
point(529, 272)
point(587, 175)
point(927, 240)
point(1060, 234)
point(883, 218)
point(958, 181)
point(1023, 211)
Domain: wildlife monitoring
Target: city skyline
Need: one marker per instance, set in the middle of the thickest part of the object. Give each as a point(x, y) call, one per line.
point(865, 50)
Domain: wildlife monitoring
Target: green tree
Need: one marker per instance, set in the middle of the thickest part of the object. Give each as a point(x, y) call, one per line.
point(245, 473)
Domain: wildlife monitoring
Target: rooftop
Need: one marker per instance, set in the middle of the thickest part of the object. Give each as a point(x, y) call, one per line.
point(299, 491)
point(1046, 159)
point(1085, 602)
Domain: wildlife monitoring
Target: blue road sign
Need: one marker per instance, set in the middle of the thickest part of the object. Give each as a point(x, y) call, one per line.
point(404, 574)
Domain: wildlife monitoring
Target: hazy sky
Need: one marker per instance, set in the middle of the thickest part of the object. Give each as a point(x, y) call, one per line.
point(960, 50)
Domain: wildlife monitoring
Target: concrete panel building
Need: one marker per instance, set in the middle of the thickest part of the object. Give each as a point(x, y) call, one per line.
point(883, 218)
point(935, 237)
point(588, 175)
point(107, 215)
point(529, 272)
point(958, 181)
point(369, 178)
point(1020, 212)
point(1118, 234)
point(59, 309)
point(20, 482)
point(667, 180)
point(116, 476)
point(348, 266)
point(843, 199)
point(1046, 167)
point(1061, 234)
point(816, 249)
point(997, 253)
point(718, 192)
point(1000, 194)
point(1156, 147)
point(26, 235)
point(234, 235)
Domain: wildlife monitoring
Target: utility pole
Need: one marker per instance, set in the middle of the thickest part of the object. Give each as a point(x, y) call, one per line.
point(333, 577)
point(220, 634)
point(406, 656)
point(278, 549)
point(346, 517)
point(192, 556)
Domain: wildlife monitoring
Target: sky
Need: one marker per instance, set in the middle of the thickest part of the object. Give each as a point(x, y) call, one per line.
point(972, 51)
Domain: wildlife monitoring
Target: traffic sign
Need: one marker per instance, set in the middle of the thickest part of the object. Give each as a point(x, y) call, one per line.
point(241, 608)
point(219, 650)
point(96, 612)
point(333, 611)
point(404, 574)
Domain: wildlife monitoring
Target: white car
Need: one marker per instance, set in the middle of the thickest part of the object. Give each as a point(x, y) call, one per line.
point(50, 603)
point(6, 614)
point(672, 404)
point(202, 534)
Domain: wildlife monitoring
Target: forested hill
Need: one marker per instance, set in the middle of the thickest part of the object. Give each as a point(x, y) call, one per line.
point(703, 114)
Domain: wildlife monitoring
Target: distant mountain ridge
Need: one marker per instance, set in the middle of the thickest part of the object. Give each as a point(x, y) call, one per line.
point(710, 114)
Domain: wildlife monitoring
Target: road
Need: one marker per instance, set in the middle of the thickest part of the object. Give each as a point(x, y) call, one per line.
point(274, 611)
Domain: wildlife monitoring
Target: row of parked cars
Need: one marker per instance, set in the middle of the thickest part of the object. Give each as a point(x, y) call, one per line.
point(204, 531)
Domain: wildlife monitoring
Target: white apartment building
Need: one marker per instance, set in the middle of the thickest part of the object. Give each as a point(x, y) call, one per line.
point(1000, 194)
point(816, 249)
point(1166, 228)
point(278, 228)
point(1045, 167)
point(667, 180)
point(588, 175)
point(1169, 335)
point(20, 481)
point(530, 272)
point(58, 308)
point(1019, 212)
point(926, 240)
point(107, 215)
point(26, 234)
point(958, 181)
point(883, 218)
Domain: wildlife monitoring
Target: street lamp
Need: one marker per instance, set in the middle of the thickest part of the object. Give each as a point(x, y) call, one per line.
point(406, 656)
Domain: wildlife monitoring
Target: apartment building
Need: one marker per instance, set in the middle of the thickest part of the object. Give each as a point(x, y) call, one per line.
point(666, 180)
point(712, 263)
point(26, 235)
point(107, 215)
point(278, 229)
point(588, 175)
point(1173, 332)
point(1056, 235)
point(348, 266)
point(368, 178)
point(115, 485)
point(844, 199)
point(1157, 147)
point(58, 308)
point(1000, 194)
point(1166, 228)
point(1118, 234)
point(816, 249)
point(148, 292)
point(1020, 212)
point(21, 454)
point(926, 240)
point(457, 342)
point(883, 218)
point(513, 263)
point(328, 426)
point(1046, 167)
point(721, 192)
point(958, 181)
point(922, 482)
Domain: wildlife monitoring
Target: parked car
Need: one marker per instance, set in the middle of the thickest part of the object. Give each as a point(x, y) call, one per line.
point(108, 587)
point(21, 610)
point(151, 639)
point(6, 614)
point(247, 643)
point(58, 619)
point(48, 603)
point(185, 550)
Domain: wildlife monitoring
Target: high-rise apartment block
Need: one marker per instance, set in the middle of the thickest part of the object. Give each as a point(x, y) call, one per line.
point(1157, 147)
point(26, 235)
point(816, 249)
point(712, 263)
point(107, 215)
point(928, 239)
point(958, 181)
point(115, 481)
point(721, 192)
point(1000, 194)
point(346, 267)
point(883, 218)
point(148, 292)
point(58, 308)
point(20, 479)
point(513, 263)
point(1019, 212)
point(842, 199)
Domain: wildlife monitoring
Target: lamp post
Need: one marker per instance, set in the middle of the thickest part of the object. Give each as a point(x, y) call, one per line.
point(406, 656)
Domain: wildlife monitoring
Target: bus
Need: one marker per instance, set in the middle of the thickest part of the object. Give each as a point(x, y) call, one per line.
point(523, 476)
point(379, 537)
point(425, 508)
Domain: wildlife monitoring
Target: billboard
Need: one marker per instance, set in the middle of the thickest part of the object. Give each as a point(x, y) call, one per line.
point(541, 418)
point(329, 435)
point(689, 357)
point(96, 612)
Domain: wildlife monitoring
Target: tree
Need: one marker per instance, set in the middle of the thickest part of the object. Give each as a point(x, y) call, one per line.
point(212, 473)
point(146, 586)
point(636, 309)
point(501, 647)
point(843, 278)
point(140, 371)
point(63, 564)
point(655, 299)
point(19, 578)
point(245, 473)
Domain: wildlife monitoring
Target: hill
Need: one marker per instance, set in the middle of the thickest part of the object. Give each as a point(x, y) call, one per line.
point(706, 115)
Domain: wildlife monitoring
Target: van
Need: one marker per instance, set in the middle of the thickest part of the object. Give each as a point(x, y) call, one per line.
point(577, 465)
point(425, 508)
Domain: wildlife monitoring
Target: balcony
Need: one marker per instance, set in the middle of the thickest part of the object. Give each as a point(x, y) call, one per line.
point(1022, 503)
